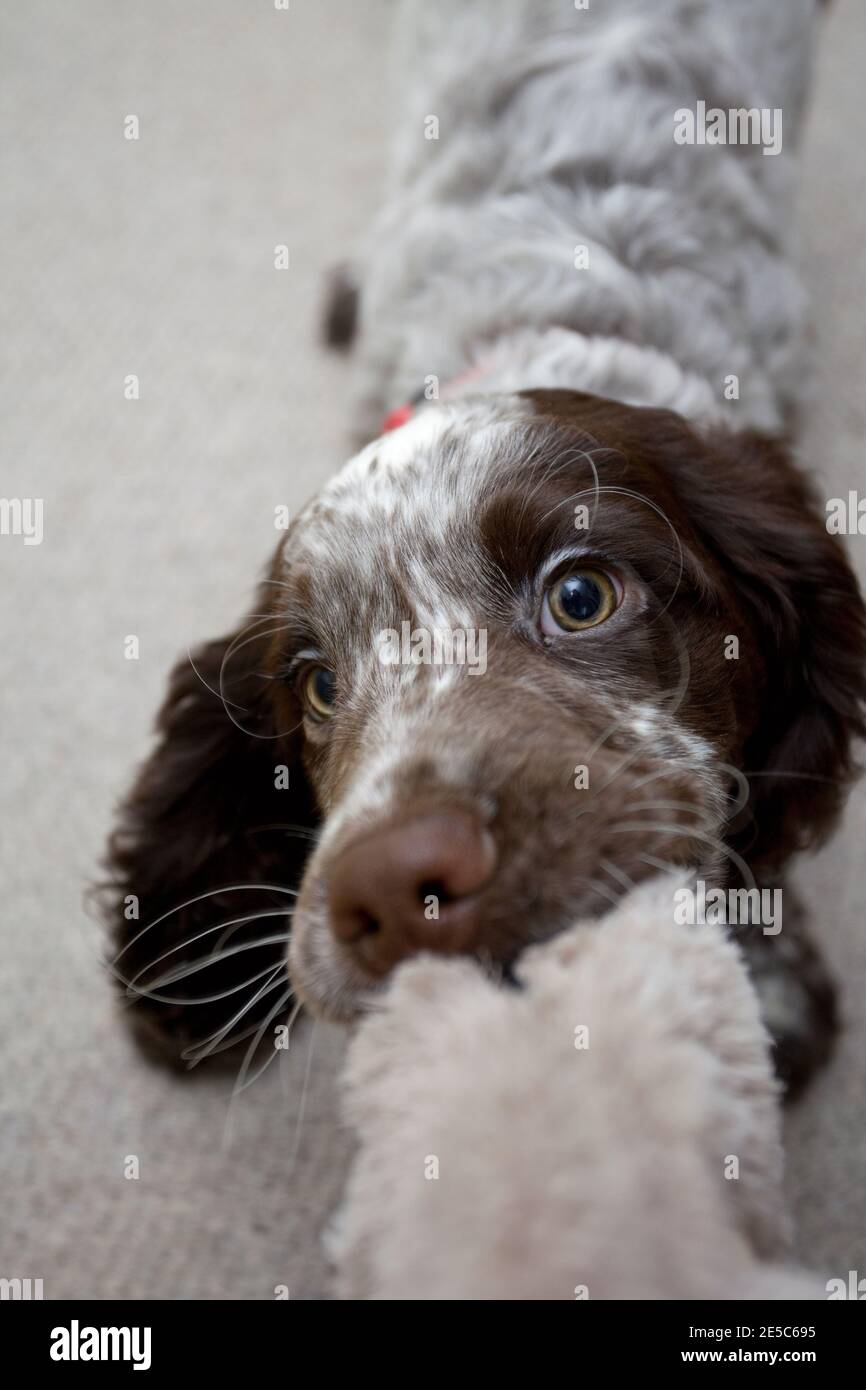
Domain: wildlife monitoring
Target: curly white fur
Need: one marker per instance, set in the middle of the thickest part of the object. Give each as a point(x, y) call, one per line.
point(556, 130)
point(605, 1168)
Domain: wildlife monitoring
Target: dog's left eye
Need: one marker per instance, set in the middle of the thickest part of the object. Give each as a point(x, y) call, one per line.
point(584, 598)
point(320, 691)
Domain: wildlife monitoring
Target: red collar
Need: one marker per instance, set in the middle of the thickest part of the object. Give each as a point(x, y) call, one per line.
point(395, 418)
point(402, 413)
point(399, 416)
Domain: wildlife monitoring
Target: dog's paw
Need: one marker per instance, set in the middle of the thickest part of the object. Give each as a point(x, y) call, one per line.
point(798, 1006)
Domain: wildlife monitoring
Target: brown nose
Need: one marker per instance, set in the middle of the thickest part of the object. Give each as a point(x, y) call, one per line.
point(411, 887)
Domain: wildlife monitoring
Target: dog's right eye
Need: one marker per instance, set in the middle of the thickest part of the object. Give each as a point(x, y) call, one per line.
point(320, 691)
point(579, 600)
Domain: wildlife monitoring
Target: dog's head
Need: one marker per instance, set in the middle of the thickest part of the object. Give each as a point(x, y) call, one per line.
point(517, 655)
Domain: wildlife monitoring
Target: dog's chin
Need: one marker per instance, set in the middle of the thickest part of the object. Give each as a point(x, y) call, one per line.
point(327, 986)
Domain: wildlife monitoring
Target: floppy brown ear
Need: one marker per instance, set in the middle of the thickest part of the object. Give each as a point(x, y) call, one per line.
point(210, 834)
point(766, 526)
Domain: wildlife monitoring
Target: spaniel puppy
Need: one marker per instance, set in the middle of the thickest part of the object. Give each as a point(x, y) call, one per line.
point(577, 617)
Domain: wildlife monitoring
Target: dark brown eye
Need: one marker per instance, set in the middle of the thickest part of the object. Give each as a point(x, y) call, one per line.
point(320, 691)
point(584, 598)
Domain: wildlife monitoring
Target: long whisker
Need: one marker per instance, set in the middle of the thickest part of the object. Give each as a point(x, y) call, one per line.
point(220, 1040)
point(629, 827)
point(663, 864)
point(199, 898)
point(304, 832)
point(303, 1102)
point(191, 940)
point(602, 890)
point(625, 761)
point(209, 688)
point(275, 980)
point(232, 926)
point(141, 993)
point(619, 491)
point(235, 646)
point(667, 770)
point(257, 617)
point(676, 696)
point(227, 1128)
point(704, 817)
point(803, 776)
point(618, 874)
point(547, 475)
point(242, 1083)
point(569, 459)
point(195, 967)
point(744, 791)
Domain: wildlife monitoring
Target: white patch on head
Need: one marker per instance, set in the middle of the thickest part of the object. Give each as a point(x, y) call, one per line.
point(478, 424)
point(392, 453)
point(424, 477)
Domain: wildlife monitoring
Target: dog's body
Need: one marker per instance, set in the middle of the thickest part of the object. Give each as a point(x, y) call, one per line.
point(450, 808)
point(556, 131)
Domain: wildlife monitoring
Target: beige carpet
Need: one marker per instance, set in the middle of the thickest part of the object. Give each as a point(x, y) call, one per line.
point(155, 257)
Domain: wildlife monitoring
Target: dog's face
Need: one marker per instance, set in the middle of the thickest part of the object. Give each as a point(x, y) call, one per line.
point(517, 655)
point(577, 735)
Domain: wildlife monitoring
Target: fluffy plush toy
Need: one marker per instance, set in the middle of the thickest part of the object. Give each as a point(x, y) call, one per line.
point(609, 1129)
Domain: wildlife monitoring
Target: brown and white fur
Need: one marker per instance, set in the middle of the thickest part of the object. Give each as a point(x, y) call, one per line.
point(601, 388)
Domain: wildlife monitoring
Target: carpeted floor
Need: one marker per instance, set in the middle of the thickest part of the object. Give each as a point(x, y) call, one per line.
point(155, 257)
